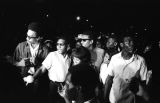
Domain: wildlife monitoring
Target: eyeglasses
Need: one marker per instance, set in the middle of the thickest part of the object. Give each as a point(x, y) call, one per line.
point(61, 44)
point(84, 40)
point(29, 37)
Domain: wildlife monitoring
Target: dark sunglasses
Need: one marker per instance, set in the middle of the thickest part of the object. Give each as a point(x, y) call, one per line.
point(29, 37)
point(79, 40)
point(61, 44)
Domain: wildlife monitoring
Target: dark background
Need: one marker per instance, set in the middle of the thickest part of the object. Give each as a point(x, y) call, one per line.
point(59, 16)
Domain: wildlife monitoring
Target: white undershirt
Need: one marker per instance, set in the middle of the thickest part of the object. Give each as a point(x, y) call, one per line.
point(34, 51)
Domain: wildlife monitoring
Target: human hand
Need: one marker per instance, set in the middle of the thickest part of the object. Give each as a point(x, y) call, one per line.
point(31, 70)
point(23, 62)
point(62, 91)
point(32, 60)
point(133, 85)
point(28, 79)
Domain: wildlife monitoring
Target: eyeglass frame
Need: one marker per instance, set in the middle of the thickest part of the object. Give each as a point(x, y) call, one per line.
point(61, 44)
point(29, 37)
point(79, 40)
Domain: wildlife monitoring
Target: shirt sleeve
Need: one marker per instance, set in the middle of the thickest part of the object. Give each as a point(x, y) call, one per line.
point(143, 70)
point(16, 54)
point(47, 63)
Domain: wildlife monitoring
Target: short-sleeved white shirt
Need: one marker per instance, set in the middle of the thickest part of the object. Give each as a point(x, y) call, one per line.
point(34, 51)
point(57, 66)
point(123, 71)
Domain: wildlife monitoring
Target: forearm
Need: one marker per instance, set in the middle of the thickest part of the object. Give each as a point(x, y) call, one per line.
point(39, 72)
point(16, 63)
point(107, 87)
point(143, 92)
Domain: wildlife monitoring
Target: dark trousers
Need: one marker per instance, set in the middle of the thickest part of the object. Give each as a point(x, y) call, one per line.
point(54, 96)
point(37, 92)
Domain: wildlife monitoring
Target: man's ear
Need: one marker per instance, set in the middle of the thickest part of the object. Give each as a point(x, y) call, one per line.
point(91, 42)
point(115, 43)
point(39, 38)
point(121, 44)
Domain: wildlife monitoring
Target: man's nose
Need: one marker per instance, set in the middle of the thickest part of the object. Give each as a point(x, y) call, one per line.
point(81, 41)
point(59, 46)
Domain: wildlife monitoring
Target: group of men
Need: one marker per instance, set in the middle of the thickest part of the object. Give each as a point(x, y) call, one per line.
point(123, 77)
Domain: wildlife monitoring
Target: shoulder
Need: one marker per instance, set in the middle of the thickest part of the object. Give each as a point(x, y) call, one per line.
point(99, 50)
point(51, 56)
point(140, 58)
point(52, 53)
point(22, 43)
point(116, 56)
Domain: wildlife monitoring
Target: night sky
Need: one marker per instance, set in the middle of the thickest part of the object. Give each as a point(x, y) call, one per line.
point(59, 16)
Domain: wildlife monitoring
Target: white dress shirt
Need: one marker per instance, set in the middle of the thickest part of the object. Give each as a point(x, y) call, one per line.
point(57, 66)
point(123, 71)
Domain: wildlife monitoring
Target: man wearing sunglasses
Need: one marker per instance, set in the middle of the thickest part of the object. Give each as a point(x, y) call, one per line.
point(87, 40)
point(29, 54)
point(97, 54)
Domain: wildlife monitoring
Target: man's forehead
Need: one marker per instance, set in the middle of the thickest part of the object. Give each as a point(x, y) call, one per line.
point(31, 32)
point(61, 41)
point(80, 35)
point(83, 36)
point(128, 38)
point(111, 39)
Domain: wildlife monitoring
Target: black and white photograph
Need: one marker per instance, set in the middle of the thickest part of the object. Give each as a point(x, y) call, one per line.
point(79, 51)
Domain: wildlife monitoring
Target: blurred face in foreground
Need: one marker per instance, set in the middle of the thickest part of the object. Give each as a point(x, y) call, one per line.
point(76, 61)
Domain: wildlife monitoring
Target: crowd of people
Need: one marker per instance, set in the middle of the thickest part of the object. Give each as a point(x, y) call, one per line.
point(83, 69)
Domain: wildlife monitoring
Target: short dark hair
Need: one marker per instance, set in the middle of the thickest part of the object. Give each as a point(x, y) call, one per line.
point(113, 37)
point(37, 27)
point(64, 37)
point(89, 33)
point(82, 53)
point(131, 35)
point(85, 76)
